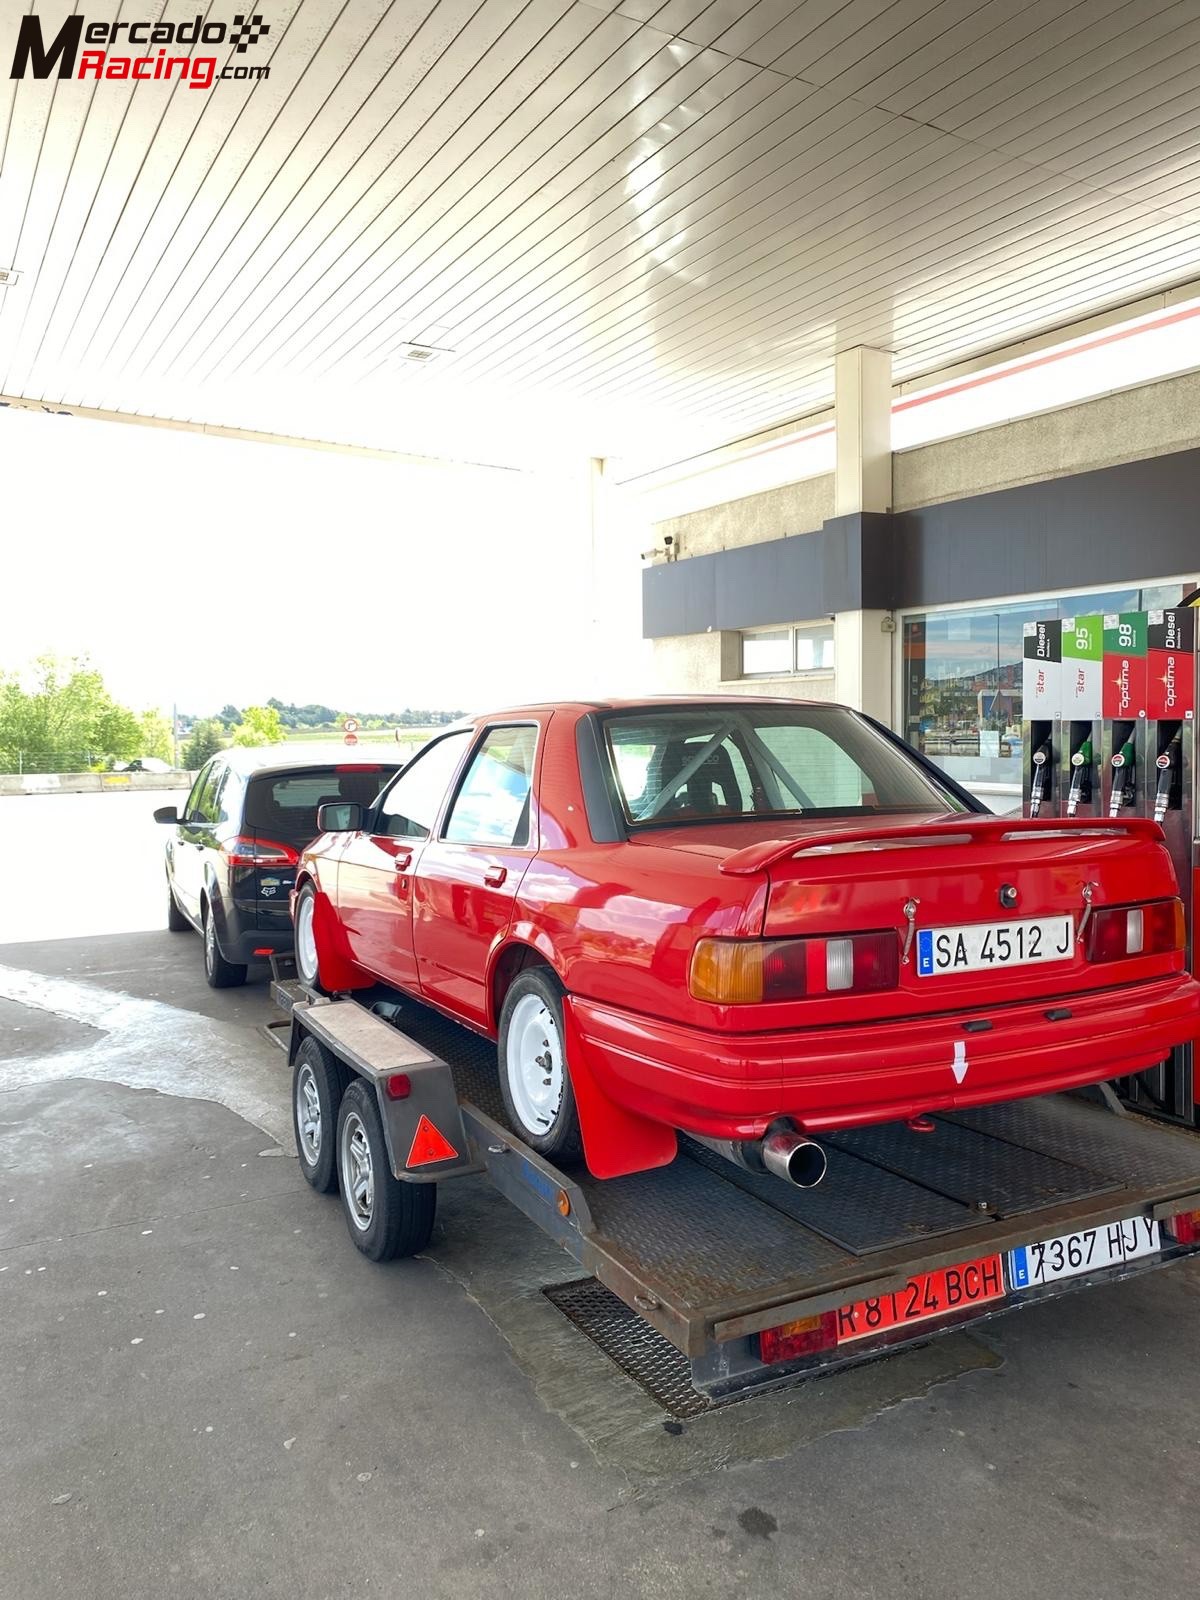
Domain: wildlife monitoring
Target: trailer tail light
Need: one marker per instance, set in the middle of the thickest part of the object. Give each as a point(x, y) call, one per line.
point(242, 852)
point(1120, 931)
point(802, 1338)
point(1184, 1227)
point(399, 1086)
point(750, 971)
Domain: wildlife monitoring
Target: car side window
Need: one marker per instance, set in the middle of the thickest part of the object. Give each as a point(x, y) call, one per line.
point(227, 800)
point(202, 802)
point(492, 804)
point(409, 808)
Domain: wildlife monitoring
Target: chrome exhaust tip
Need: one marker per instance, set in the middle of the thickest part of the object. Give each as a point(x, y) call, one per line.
point(783, 1153)
point(794, 1158)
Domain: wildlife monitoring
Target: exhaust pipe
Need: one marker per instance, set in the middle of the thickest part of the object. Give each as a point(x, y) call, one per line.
point(781, 1151)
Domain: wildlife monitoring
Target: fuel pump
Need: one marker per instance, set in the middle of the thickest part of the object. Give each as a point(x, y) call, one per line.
point(1123, 768)
point(1083, 770)
point(1042, 776)
point(1167, 764)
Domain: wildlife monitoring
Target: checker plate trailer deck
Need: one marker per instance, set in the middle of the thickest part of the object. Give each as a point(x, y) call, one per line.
point(745, 1280)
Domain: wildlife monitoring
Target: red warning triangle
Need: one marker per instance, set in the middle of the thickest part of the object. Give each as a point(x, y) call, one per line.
point(429, 1145)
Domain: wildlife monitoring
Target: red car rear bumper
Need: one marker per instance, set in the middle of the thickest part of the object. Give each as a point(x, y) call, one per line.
point(730, 1086)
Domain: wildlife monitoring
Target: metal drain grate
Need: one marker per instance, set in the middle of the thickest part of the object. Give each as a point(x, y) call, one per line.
point(639, 1350)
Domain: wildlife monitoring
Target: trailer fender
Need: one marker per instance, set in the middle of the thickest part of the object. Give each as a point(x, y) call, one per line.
point(616, 1142)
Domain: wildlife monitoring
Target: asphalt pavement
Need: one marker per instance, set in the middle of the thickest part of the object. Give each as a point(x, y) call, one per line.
point(208, 1392)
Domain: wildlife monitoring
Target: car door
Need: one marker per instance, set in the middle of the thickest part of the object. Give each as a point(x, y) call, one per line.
point(466, 880)
point(193, 836)
point(374, 874)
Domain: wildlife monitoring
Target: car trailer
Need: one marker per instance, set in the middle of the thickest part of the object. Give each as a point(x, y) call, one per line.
point(723, 1280)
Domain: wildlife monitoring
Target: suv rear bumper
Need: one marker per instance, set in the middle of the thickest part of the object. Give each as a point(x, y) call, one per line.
point(731, 1087)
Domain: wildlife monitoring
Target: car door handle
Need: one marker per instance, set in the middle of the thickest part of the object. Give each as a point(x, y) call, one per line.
point(403, 861)
point(495, 876)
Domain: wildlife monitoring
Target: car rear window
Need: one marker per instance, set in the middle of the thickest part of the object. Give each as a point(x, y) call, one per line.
point(724, 762)
point(283, 805)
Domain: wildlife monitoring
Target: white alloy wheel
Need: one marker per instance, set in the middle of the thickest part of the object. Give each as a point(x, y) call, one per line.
point(308, 1114)
point(306, 940)
point(357, 1172)
point(534, 1064)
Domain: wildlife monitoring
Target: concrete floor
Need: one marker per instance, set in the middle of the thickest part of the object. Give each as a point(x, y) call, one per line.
point(206, 1391)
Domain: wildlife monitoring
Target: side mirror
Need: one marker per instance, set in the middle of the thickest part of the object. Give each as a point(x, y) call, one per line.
point(340, 816)
point(166, 814)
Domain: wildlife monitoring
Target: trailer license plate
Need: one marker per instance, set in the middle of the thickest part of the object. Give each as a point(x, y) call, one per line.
point(1086, 1251)
point(984, 946)
point(928, 1294)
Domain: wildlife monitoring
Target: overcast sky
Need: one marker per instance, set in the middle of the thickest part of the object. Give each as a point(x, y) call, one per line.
point(197, 571)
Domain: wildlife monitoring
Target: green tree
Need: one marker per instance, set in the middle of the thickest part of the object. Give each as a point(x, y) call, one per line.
point(58, 715)
point(156, 736)
point(208, 736)
point(230, 716)
point(259, 725)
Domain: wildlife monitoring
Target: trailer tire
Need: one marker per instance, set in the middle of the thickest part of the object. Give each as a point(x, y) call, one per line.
point(535, 1080)
point(386, 1218)
point(318, 1083)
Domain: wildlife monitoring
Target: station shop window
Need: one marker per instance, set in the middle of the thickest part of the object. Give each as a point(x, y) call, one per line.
point(961, 676)
point(785, 652)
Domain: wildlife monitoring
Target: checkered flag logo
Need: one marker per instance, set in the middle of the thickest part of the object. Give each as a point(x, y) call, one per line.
point(247, 31)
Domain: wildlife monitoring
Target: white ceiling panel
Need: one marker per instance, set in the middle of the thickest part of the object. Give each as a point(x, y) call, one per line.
point(617, 223)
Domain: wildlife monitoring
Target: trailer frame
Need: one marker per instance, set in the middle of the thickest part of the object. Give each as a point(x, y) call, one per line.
point(712, 1257)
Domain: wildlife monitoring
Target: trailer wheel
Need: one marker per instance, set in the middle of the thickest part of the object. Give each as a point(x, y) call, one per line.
point(534, 1079)
point(318, 1083)
point(386, 1218)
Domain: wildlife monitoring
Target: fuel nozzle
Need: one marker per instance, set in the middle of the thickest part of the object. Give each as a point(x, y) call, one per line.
point(1041, 765)
point(1122, 777)
point(1081, 774)
point(1166, 764)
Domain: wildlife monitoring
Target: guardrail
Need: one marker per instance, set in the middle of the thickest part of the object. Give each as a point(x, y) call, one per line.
point(91, 782)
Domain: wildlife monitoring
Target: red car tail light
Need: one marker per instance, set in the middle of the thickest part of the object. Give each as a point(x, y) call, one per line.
point(802, 1338)
point(242, 852)
point(750, 971)
point(1120, 931)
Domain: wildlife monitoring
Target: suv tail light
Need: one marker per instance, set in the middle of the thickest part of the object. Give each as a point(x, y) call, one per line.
point(1152, 930)
point(243, 852)
point(749, 971)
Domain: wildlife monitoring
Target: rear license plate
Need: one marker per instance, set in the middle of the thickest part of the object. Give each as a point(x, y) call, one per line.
point(928, 1294)
point(1087, 1251)
point(984, 946)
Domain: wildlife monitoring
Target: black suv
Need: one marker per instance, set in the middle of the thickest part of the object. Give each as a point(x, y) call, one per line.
point(231, 857)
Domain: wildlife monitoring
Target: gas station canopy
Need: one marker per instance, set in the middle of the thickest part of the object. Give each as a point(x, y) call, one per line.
point(642, 220)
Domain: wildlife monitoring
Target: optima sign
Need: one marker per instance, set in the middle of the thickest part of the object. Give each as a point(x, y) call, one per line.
point(66, 51)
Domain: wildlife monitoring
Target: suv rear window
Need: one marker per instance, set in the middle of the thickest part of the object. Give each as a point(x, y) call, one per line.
point(283, 805)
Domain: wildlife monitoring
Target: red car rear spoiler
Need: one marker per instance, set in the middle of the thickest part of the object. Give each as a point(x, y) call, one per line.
point(761, 857)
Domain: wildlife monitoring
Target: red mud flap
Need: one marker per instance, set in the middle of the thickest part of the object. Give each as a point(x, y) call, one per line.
point(616, 1142)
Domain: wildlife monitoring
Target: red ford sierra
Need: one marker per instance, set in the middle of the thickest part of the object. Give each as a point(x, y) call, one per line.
point(750, 920)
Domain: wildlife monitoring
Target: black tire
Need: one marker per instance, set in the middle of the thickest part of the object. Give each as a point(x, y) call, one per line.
point(559, 1138)
point(316, 1146)
point(221, 974)
point(306, 902)
point(396, 1219)
point(176, 921)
